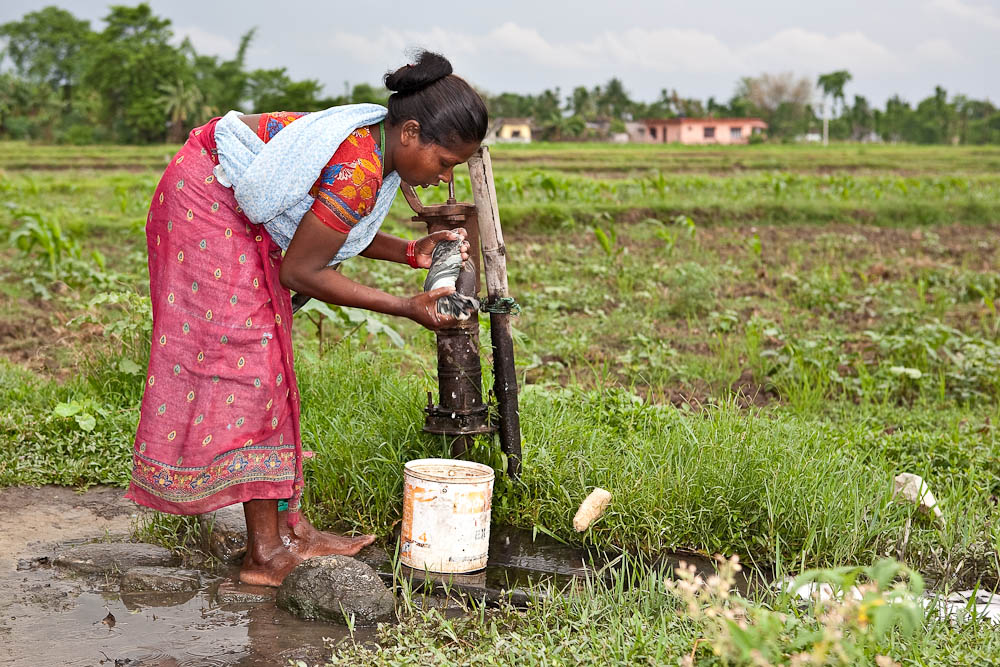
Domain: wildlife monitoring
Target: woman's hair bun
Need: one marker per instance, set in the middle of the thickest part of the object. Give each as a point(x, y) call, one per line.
point(428, 68)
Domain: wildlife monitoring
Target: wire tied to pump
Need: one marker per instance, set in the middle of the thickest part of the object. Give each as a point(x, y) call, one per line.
point(506, 305)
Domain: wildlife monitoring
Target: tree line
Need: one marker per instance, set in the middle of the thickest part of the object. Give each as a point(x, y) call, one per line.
point(63, 81)
point(788, 103)
point(128, 84)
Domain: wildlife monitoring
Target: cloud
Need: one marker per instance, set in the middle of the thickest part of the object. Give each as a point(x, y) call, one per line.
point(205, 42)
point(982, 15)
point(798, 49)
point(636, 50)
point(529, 44)
point(938, 51)
point(664, 50)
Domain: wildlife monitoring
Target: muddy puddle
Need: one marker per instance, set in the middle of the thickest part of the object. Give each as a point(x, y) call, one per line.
point(102, 628)
point(50, 615)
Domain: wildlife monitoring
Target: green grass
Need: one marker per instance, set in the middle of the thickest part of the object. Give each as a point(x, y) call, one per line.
point(635, 618)
point(594, 158)
point(743, 357)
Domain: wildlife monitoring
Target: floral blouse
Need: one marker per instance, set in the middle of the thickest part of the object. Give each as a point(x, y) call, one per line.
point(347, 187)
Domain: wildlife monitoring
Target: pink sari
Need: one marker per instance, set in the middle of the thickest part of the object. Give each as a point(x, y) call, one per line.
point(219, 422)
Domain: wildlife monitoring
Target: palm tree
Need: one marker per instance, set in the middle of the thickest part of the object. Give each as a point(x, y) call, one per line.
point(832, 85)
point(181, 101)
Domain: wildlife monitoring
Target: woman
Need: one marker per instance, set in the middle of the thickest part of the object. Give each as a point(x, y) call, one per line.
point(220, 415)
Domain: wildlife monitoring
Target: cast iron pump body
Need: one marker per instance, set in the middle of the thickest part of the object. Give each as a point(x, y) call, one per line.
point(460, 411)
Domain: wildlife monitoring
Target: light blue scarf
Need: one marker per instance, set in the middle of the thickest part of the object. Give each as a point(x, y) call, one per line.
point(272, 180)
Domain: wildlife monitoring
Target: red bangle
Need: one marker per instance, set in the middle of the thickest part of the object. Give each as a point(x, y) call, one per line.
point(411, 254)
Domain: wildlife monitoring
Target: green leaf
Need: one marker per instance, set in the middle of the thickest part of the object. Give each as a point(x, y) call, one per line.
point(66, 409)
point(320, 308)
point(130, 367)
point(374, 326)
point(86, 421)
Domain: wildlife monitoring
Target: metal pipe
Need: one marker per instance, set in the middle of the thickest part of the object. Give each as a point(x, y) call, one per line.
point(460, 411)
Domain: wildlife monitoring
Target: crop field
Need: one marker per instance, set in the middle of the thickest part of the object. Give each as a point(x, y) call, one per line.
point(743, 345)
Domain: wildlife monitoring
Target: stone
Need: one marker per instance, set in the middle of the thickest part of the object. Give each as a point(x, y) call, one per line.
point(160, 579)
point(234, 592)
point(225, 533)
point(107, 557)
point(335, 588)
point(375, 557)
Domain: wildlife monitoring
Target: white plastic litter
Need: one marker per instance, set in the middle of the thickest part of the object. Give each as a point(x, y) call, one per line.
point(914, 489)
point(823, 592)
point(962, 605)
point(958, 607)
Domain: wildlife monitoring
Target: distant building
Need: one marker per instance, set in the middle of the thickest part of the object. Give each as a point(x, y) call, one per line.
point(695, 130)
point(509, 130)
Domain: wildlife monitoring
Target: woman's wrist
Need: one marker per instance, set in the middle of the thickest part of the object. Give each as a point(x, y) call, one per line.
point(411, 254)
point(404, 308)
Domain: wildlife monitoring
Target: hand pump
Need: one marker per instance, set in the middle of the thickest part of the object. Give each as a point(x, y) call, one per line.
point(460, 411)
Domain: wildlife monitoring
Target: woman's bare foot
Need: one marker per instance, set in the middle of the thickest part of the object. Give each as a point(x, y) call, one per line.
point(305, 541)
point(268, 560)
point(268, 567)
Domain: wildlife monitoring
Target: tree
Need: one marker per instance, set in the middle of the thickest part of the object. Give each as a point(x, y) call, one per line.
point(132, 59)
point(224, 84)
point(662, 107)
point(861, 118)
point(972, 117)
point(274, 90)
point(510, 105)
point(24, 106)
point(833, 86)
point(47, 46)
point(367, 93)
point(581, 103)
point(180, 101)
point(934, 119)
point(896, 121)
point(613, 100)
point(782, 100)
point(689, 107)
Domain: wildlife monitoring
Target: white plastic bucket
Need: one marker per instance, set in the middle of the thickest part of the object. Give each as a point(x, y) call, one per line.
point(446, 515)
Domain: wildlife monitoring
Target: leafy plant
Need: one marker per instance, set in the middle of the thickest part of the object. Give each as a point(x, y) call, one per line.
point(609, 243)
point(355, 319)
point(82, 414)
point(46, 235)
point(845, 627)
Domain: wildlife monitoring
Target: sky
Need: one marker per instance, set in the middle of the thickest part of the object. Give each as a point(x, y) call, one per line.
point(701, 49)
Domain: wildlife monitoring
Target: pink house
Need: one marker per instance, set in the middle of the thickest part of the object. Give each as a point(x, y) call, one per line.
point(698, 130)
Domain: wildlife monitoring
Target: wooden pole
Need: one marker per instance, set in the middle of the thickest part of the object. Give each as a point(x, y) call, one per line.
point(495, 268)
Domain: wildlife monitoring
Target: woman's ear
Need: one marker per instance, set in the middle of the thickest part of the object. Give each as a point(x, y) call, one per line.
point(409, 132)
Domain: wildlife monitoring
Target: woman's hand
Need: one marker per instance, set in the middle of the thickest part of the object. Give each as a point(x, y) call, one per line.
point(426, 245)
point(422, 308)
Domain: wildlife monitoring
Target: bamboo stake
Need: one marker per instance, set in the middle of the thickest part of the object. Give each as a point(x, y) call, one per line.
point(495, 268)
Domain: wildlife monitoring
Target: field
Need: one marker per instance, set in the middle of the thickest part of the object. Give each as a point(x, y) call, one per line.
point(744, 346)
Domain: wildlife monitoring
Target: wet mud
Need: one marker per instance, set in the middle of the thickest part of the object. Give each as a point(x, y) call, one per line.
point(86, 619)
point(74, 619)
point(52, 617)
